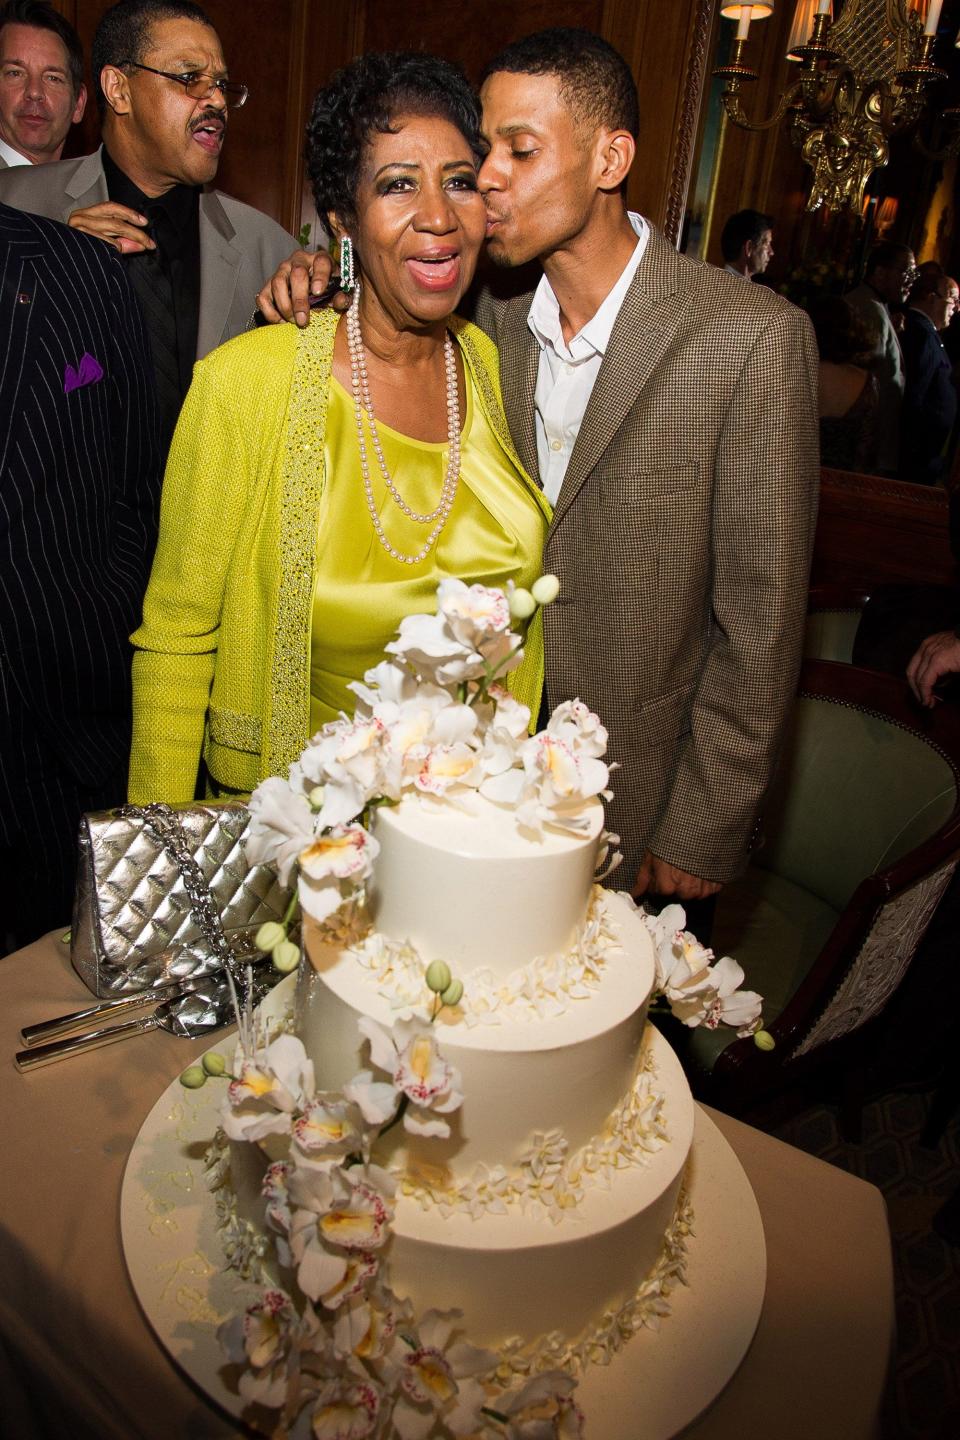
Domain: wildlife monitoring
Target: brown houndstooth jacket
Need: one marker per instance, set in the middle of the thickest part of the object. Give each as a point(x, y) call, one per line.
point(682, 539)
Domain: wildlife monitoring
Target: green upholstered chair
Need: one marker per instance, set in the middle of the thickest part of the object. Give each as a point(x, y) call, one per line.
point(833, 614)
point(862, 833)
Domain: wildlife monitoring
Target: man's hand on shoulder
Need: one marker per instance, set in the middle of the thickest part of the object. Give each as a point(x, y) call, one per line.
point(120, 226)
point(286, 295)
point(939, 655)
point(659, 877)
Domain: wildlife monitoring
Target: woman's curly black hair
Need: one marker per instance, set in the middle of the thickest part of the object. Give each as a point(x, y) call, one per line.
point(369, 95)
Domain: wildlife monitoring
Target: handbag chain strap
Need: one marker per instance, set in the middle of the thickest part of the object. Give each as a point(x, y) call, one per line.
point(161, 822)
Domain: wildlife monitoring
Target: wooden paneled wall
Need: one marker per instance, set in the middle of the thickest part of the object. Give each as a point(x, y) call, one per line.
point(285, 49)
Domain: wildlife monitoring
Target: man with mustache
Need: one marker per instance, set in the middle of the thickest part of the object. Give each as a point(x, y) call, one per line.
point(194, 255)
point(670, 413)
point(41, 83)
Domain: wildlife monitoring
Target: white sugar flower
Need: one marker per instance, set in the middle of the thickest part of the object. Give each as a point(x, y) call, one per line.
point(353, 762)
point(264, 1338)
point(376, 1101)
point(733, 1006)
point(436, 1380)
point(410, 1055)
point(329, 1129)
point(367, 1323)
point(542, 1409)
point(576, 725)
point(345, 853)
point(469, 636)
point(346, 1408)
point(273, 1085)
point(338, 1215)
point(281, 825)
point(439, 769)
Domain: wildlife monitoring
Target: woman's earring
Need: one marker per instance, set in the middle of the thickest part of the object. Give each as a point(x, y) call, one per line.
point(347, 277)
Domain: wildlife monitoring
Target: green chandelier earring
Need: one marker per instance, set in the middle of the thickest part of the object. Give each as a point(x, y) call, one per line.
point(348, 278)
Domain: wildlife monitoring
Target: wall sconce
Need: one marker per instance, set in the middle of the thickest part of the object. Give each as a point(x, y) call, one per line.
point(863, 78)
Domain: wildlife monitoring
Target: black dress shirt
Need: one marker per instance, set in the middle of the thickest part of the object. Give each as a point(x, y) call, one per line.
point(167, 283)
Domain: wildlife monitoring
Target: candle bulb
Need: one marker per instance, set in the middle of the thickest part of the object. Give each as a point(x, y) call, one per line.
point(933, 17)
point(744, 24)
point(823, 8)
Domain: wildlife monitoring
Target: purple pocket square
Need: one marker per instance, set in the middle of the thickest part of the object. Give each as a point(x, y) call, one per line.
point(88, 372)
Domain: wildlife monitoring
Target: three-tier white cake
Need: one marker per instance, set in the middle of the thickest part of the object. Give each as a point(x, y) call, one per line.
point(552, 1215)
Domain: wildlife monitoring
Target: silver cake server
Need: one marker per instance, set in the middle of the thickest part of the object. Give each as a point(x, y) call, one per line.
point(199, 1012)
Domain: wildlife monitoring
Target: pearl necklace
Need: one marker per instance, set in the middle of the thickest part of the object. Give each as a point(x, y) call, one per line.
point(362, 402)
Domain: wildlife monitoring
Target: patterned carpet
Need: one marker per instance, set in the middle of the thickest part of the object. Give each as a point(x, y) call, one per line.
point(923, 1396)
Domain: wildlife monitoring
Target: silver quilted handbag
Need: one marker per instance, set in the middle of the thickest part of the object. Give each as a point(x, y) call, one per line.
point(166, 892)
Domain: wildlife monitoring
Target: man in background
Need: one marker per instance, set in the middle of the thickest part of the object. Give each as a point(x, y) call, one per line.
point(41, 83)
point(196, 256)
point(887, 280)
point(746, 243)
point(79, 489)
point(929, 397)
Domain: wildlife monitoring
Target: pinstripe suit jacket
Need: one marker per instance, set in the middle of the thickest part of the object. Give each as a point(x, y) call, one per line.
point(682, 538)
point(239, 246)
point(79, 488)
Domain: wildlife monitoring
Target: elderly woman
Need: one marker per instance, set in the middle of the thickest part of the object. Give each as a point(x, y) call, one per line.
point(321, 481)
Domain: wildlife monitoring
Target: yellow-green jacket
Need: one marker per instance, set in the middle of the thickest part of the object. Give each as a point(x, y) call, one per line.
point(222, 662)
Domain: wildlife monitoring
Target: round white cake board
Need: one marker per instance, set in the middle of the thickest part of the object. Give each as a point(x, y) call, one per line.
point(656, 1386)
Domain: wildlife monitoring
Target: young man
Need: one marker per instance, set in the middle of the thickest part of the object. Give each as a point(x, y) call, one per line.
point(195, 255)
point(41, 83)
point(670, 412)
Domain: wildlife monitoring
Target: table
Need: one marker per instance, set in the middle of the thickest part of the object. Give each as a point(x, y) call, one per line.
point(77, 1357)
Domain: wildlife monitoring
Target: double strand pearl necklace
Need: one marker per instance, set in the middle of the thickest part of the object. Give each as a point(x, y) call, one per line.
point(362, 402)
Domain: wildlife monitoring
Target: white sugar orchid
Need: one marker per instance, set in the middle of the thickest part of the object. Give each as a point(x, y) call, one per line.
point(264, 1339)
point(281, 826)
point(353, 763)
point(542, 1409)
point(733, 1006)
point(410, 1056)
point(338, 1214)
point(440, 770)
point(343, 854)
point(346, 1407)
point(367, 1322)
point(468, 638)
point(579, 728)
point(552, 785)
point(330, 1128)
point(436, 1380)
point(272, 1086)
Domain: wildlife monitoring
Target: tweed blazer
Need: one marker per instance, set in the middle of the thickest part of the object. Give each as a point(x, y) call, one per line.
point(239, 247)
point(682, 538)
point(79, 489)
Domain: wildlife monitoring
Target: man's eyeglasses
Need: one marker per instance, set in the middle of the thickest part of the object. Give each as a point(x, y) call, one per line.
point(198, 85)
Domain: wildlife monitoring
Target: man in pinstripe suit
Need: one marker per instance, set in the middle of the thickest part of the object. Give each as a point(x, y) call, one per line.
point(79, 490)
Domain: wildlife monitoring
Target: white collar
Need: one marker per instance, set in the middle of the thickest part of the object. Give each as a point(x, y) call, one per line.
point(13, 157)
point(544, 316)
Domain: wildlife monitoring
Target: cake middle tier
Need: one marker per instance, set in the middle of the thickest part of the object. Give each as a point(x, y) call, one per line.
point(561, 1061)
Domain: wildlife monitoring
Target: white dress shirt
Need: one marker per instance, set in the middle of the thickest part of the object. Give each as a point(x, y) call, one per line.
point(566, 373)
point(13, 157)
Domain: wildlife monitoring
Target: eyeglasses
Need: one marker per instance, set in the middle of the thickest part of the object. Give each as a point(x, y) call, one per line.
point(198, 85)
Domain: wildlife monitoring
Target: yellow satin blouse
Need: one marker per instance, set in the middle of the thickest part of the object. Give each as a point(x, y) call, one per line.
point(494, 533)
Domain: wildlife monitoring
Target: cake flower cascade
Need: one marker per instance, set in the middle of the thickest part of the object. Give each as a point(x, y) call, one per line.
point(433, 720)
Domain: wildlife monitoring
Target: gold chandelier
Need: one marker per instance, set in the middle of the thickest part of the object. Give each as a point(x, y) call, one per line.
point(862, 78)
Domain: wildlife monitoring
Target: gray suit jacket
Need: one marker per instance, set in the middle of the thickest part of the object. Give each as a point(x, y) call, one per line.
point(682, 539)
point(239, 246)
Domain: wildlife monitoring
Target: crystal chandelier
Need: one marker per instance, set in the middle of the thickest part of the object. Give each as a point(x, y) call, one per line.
point(862, 78)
